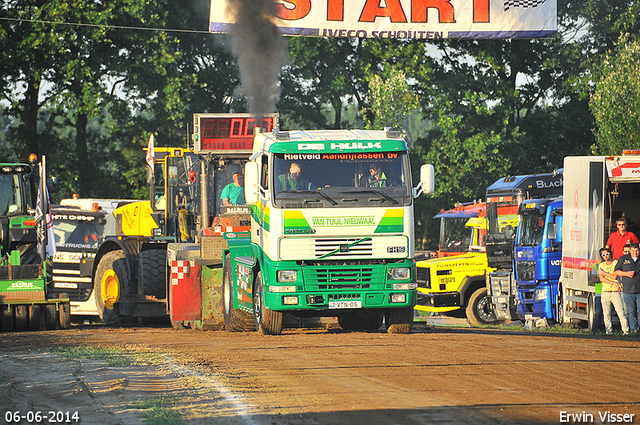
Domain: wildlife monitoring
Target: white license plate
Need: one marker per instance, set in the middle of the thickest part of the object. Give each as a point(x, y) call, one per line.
point(66, 285)
point(345, 304)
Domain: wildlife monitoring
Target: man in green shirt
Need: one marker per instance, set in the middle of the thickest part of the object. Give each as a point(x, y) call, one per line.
point(233, 193)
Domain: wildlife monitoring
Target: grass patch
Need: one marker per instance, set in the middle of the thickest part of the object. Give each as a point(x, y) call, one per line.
point(159, 411)
point(114, 357)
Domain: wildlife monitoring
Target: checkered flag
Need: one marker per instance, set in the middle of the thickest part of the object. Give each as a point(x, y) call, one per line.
point(508, 4)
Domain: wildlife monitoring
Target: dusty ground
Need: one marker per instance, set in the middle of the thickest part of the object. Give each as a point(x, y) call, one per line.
point(316, 377)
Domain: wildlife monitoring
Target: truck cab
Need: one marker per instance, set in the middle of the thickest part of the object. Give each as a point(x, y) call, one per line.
point(538, 258)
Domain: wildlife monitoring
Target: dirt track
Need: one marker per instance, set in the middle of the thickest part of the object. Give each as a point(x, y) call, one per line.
point(438, 375)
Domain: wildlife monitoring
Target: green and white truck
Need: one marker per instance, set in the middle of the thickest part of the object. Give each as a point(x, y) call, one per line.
point(332, 232)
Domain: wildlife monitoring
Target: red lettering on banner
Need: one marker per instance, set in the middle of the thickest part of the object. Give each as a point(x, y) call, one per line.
point(372, 10)
point(480, 11)
point(335, 10)
point(575, 235)
point(299, 9)
point(419, 10)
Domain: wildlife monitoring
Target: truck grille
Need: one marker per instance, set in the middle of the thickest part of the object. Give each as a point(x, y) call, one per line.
point(423, 276)
point(323, 278)
point(325, 246)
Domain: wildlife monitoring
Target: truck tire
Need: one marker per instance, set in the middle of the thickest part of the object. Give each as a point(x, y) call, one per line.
point(35, 317)
point(361, 320)
point(235, 320)
point(6, 318)
point(153, 273)
point(479, 310)
point(21, 321)
point(64, 313)
point(51, 316)
point(268, 322)
point(111, 281)
point(399, 320)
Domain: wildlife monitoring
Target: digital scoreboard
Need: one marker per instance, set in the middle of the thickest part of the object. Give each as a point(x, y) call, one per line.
point(228, 133)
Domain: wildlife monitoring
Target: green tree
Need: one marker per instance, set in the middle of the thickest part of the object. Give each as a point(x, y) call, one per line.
point(390, 101)
point(616, 100)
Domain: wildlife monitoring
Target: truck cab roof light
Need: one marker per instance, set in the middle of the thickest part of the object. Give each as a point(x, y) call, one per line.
point(282, 135)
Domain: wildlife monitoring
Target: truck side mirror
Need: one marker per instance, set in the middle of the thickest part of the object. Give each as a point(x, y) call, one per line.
point(251, 182)
point(552, 232)
point(427, 181)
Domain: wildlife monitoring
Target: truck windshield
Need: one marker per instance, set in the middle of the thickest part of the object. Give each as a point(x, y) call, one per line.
point(454, 236)
point(341, 180)
point(10, 198)
point(530, 230)
point(502, 220)
point(76, 233)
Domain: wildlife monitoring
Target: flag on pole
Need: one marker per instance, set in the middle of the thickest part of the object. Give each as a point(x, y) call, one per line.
point(151, 154)
point(44, 218)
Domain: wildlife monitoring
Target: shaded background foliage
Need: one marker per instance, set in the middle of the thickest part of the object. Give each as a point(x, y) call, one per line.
point(87, 82)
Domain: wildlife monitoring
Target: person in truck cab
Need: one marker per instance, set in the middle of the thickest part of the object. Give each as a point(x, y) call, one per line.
point(376, 177)
point(628, 268)
point(293, 180)
point(233, 193)
point(618, 239)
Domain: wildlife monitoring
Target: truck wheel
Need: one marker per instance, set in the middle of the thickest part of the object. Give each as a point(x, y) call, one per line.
point(51, 316)
point(399, 320)
point(35, 317)
point(22, 318)
point(479, 310)
point(6, 318)
point(235, 320)
point(110, 283)
point(361, 320)
point(64, 313)
point(153, 273)
point(268, 322)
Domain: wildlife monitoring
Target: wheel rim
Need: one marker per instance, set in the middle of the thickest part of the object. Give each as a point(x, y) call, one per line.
point(110, 289)
point(484, 312)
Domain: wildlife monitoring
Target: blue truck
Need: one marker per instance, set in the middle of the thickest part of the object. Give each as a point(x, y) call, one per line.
point(538, 258)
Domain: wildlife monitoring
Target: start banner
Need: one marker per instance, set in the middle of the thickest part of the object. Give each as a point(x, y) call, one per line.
point(405, 19)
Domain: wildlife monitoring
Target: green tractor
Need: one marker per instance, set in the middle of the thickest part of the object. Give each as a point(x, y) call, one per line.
point(26, 300)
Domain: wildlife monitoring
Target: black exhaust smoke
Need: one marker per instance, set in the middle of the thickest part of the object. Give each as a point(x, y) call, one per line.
point(261, 52)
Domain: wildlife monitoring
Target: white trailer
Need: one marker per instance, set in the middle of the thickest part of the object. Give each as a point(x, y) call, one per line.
point(597, 191)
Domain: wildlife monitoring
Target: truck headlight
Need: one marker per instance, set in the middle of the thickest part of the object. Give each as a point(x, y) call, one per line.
point(290, 300)
point(399, 273)
point(541, 294)
point(287, 275)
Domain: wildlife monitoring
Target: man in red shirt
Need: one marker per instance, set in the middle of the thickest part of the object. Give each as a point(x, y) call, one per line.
point(620, 238)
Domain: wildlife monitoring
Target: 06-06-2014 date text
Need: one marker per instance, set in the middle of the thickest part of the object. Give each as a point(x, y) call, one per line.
point(42, 417)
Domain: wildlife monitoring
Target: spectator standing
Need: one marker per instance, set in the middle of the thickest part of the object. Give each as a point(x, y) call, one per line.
point(621, 237)
point(611, 292)
point(628, 268)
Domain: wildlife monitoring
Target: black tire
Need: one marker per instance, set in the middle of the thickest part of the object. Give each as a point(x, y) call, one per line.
point(479, 309)
point(235, 320)
point(21, 321)
point(111, 281)
point(64, 314)
point(51, 316)
point(268, 322)
point(6, 318)
point(399, 320)
point(153, 273)
point(560, 307)
point(35, 317)
point(361, 321)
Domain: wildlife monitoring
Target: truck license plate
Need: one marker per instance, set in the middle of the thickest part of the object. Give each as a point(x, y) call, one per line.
point(345, 304)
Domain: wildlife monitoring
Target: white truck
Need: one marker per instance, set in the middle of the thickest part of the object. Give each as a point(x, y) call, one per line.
point(597, 191)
